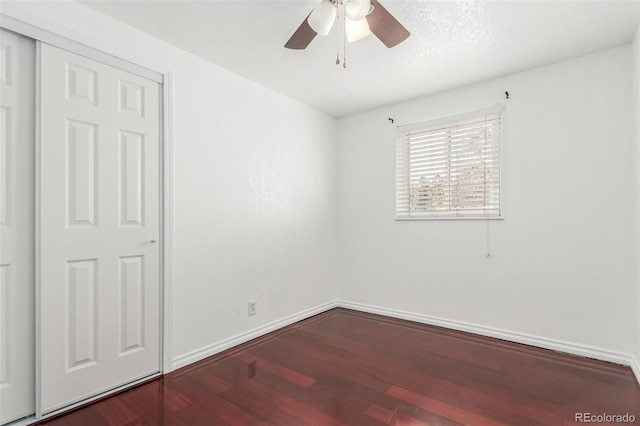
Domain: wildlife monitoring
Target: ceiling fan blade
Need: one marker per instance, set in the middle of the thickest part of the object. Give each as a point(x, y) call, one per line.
point(302, 37)
point(385, 26)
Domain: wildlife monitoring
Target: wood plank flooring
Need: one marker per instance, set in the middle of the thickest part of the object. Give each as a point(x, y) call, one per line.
point(348, 368)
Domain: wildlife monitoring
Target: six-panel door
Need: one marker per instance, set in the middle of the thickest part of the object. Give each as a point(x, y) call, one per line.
point(100, 288)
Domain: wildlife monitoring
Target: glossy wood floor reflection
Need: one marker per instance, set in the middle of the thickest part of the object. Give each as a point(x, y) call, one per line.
point(349, 368)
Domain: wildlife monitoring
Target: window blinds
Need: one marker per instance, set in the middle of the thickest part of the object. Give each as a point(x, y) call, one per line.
point(450, 167)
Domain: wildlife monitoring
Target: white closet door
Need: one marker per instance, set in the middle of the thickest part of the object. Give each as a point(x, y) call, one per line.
point(100, 288)
point(17, 283)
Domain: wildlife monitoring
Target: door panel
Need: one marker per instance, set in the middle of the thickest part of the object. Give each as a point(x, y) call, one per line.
point(17, 223)
point(100, 288)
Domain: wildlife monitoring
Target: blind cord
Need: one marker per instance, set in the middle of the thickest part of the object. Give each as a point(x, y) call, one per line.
point(488, 242)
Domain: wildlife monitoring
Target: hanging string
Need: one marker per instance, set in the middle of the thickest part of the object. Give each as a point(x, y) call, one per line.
point(488, 236)
point(488, 231)
point(344, 40)
point(338, 39)
point(488, 242)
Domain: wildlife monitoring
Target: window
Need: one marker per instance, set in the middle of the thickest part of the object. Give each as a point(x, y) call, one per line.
point(450, 168)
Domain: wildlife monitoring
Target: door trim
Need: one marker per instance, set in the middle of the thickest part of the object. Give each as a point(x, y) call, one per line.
point(38, 229)
point(45, 31)
point(166, 224)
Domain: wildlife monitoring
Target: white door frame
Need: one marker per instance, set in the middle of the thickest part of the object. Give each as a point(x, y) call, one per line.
point(44, 32)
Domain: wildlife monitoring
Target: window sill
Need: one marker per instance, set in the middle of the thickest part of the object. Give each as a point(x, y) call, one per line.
point(413, 218)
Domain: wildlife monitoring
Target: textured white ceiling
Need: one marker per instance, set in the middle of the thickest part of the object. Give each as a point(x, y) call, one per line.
point(452, 43)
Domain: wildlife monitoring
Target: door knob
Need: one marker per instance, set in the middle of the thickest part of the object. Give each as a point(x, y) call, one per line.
point(152, 241)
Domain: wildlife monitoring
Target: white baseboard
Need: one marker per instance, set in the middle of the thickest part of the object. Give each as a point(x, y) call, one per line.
point(635, 367)
point(512, 336)
point(217, 347)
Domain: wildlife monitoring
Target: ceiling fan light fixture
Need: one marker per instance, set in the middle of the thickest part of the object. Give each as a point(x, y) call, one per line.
point(374, 15)
point(356, 30)
point(323, 16)
point(357, 9)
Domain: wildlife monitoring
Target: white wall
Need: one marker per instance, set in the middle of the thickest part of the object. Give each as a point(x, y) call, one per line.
point(560, 265)
point(254, 187)
point(254, 207)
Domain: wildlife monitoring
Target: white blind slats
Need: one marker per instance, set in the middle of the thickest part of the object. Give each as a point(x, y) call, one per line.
point(451, 152)
point(459, 163)
point(452, 170)
point(481, 135)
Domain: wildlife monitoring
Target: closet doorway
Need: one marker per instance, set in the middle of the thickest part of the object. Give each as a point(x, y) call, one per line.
point(90, 245)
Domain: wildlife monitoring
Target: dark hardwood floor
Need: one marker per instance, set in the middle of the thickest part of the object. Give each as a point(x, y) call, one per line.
point(348, 368)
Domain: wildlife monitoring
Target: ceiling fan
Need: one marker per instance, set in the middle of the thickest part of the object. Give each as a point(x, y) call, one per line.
point(361, 18)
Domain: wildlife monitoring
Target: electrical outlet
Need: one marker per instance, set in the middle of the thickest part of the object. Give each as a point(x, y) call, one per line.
point(252, 307)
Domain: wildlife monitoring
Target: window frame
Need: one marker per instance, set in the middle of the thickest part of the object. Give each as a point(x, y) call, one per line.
point(402, 177)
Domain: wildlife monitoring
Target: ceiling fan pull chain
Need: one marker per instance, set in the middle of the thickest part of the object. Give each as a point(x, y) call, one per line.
point(338, 41)
point(344, 57)
point(344, 41)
